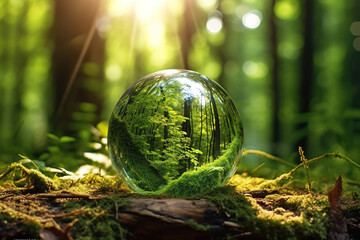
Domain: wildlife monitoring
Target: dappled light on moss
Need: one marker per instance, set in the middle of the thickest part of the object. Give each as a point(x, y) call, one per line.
point(175, 132)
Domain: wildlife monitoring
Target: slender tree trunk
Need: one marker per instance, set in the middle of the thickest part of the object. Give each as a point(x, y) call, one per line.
point(201, 129)
point(6, 116)
point(73, 22)
point(186, 32)
point(186, 126)
point(275, 79)
point(216, 131)
point(13, 58)
point(354, 65)
point(208, 142)
point(20, 61)
point(166, 116)
point(215, 125)
point(307, 68)
point(221, 50)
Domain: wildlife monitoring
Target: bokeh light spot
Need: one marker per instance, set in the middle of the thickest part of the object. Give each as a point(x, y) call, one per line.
point(30, 100)
point(214, 24)
point(255, 69)
point(207, 4)
point(252, 19)
point(355, 28)
point(113, 72)
point(287, 9)
point(291, 47)
point(356, 44)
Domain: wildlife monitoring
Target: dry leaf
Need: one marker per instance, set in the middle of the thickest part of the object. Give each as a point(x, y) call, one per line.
point(338, 230)
point(53, 233)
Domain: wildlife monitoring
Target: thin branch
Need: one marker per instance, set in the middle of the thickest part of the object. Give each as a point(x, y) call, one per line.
point(288, 175)
point(304, 162)
point(267, 155)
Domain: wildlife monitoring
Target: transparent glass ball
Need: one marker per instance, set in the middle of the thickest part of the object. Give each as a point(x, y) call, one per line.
point(175, 132)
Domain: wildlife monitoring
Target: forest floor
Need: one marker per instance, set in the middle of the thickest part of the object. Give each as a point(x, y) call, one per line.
point(33, 206)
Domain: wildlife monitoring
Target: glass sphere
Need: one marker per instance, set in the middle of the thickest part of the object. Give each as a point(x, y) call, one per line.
point(175, 132)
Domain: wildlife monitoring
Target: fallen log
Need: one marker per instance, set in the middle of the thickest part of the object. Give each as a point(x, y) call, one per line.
point(174, 219)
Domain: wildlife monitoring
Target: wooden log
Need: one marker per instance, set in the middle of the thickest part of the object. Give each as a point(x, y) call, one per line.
point(174, 219)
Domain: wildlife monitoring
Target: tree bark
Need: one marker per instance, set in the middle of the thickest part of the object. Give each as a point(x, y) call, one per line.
point(307, 69)
point(186, 32)
point(168, 218)
point(73, 23)
point(275, 80)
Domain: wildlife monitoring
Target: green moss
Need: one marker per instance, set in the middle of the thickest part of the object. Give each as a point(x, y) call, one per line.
point(195, 225)
point(205, 178)
point(92, 182)
point(299, 217)
point(98, 219)
point(234, 205)
point(243, 183)
point(34, 179)
point(277, 216)
point(30, 225)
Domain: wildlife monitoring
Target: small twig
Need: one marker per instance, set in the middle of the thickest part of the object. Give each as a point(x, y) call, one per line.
point(64, 194)
point(288, 175)
point(69, 214)
point(231, 224)
point(267, 155)
point(6, 196)
point(116, 211)
point(69, 225)
point(257, 168)
point(335, 155)
point(304, 162)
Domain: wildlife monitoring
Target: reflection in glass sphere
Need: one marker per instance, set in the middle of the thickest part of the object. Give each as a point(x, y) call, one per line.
point(175, 132)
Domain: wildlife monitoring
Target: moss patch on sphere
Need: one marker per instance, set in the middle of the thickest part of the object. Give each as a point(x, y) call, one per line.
point(206, 177)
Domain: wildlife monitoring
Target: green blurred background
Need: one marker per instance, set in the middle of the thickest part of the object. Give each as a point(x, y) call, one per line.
point(292, 68)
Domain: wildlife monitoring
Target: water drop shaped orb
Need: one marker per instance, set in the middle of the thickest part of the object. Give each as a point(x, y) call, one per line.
point(175, 132)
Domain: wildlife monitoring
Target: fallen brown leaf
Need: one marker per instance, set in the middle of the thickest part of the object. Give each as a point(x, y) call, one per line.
point(338, 230)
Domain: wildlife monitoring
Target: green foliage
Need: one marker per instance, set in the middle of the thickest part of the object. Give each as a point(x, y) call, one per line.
point(63, 152)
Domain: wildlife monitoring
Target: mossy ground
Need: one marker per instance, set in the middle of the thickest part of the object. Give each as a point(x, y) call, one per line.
point(87, 208)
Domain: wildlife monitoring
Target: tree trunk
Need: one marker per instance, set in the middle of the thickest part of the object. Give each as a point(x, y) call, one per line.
point(76, 41)
point(307, 70)
point(186, 127)
point(275, 79)
point(186, 31)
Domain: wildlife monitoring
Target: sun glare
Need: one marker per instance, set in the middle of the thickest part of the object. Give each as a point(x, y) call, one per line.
point(144, 10)
point(147, 10)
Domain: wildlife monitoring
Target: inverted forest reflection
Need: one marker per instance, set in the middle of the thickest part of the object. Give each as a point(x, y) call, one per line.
point(178, 121)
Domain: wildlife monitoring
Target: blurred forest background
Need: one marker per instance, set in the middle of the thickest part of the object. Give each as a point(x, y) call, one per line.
point(292, 68)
